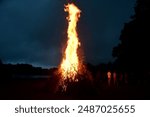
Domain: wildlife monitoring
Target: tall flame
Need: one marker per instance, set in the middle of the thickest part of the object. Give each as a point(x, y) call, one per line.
point(70, 63)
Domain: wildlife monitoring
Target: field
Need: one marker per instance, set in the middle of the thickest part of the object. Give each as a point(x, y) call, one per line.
point(45, 89)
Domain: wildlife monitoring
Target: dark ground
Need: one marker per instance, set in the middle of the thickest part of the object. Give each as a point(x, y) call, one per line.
point(42, 88)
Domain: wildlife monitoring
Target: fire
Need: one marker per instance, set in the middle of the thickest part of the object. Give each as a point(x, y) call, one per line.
point(70, 63)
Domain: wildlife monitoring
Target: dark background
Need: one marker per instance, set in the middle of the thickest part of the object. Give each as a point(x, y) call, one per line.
point(34, 31)
point(115, 39)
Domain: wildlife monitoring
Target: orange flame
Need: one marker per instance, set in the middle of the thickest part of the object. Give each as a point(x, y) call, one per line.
point(70, 63)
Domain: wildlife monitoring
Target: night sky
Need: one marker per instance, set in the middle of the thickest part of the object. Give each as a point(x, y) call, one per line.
point(34, 31)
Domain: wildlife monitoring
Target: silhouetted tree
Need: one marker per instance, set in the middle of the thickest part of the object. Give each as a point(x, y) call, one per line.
point(132, 54)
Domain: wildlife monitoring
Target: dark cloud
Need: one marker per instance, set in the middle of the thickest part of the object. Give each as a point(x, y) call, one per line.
point(103, 20)
point(33, 31)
